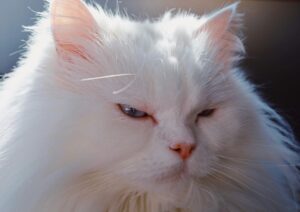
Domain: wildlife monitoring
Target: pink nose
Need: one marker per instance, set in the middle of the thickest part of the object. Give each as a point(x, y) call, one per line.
point(184, 150)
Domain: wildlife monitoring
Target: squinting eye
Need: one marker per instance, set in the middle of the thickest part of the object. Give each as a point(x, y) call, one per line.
point(132, 112)
point(206, 113)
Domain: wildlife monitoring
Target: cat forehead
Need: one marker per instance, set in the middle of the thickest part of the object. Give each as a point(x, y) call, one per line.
point(165, 44)
point(171, 31)
point(162, 55)
point(168, 64)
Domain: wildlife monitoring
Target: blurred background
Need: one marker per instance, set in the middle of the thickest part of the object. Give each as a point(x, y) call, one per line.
point(272, 31)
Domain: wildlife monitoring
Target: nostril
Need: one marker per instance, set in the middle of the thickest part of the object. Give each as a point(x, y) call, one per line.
point(183, 150)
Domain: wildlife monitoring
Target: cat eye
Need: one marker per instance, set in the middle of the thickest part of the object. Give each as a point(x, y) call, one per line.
point(131, 111)
point(206, 113)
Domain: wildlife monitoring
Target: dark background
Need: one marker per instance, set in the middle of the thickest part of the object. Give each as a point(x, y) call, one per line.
point(272, 32)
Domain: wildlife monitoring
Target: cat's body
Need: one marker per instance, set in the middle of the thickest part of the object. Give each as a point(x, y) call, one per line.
point(66, 146)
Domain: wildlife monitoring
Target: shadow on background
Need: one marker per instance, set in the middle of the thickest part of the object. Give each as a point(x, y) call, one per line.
point(272, 38)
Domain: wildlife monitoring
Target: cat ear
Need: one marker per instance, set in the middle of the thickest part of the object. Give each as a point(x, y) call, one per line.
point(223, 27)
point(72, 24)
point(221, 21)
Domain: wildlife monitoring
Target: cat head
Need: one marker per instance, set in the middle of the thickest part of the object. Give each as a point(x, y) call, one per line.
point(160, 100)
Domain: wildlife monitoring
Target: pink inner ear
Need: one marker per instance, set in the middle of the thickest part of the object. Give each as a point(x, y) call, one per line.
point(71, 21)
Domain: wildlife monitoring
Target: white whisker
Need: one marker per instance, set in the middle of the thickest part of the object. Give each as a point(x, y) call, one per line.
point(248, 161)
point(106, 77)
point(125, 87)
point(243, 182)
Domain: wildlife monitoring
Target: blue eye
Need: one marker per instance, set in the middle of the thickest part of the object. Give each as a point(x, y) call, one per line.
point(132, 112)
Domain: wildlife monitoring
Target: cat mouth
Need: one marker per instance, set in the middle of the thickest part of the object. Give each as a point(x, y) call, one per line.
point(173, 174)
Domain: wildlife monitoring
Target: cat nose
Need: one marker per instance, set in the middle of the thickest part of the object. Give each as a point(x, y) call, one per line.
point(184, 150)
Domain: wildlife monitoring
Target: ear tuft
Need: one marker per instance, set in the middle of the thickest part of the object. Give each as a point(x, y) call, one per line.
point(71, 23)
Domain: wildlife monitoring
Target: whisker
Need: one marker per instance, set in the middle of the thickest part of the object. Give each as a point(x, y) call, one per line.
point(125, 87)
point(248, 161)
point(210, 193)
point(243, 184)
point(106, 77)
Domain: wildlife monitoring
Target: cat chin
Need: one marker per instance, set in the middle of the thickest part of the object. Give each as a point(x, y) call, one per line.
point(176, 172)
point(178, 178)
point(172, 187)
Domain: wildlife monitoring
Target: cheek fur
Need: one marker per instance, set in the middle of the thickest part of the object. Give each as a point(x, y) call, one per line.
point(222, 129)
point(108, 136)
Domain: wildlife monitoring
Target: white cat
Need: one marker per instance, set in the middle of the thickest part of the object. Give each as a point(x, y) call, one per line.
point(107, 114)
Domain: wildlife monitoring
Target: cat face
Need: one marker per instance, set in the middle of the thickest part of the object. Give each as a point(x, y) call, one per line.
point(160, 102)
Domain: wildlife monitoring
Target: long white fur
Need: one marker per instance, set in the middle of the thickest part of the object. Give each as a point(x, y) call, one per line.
point(65, 147)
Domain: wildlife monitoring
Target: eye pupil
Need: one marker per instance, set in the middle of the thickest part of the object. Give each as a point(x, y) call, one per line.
point(132, 112)
point(206, 113)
